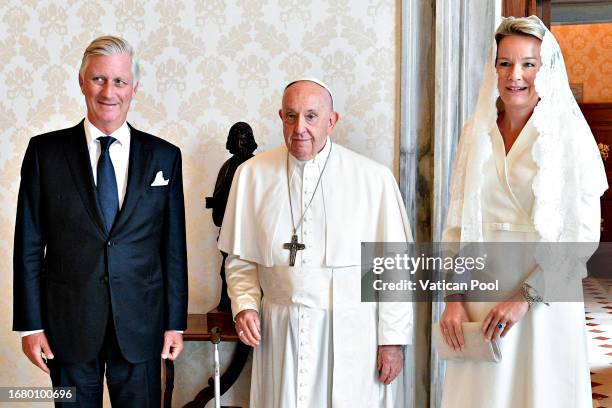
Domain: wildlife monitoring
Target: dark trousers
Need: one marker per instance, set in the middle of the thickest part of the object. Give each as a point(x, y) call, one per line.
point(129, 385)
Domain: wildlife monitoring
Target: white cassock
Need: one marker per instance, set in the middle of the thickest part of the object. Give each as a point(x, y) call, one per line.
point(319, 341)
point(544, 355)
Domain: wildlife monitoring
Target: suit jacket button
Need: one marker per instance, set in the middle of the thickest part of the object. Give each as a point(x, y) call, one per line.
point(104, 279)
point(110, 243)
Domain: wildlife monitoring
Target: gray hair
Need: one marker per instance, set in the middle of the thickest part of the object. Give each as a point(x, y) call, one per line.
point(522, 26)
point(111, 45)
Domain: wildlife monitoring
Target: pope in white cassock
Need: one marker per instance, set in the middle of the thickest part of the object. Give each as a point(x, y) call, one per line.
point(293, 227)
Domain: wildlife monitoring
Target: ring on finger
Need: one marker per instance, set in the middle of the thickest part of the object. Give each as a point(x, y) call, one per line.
point(240, 333)
point(500, 326)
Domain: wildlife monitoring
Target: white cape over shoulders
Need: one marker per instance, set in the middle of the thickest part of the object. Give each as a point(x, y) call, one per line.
point(362, 203)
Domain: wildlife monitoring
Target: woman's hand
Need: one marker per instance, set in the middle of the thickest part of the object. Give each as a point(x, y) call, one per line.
point(505, 314)
point(450, 324)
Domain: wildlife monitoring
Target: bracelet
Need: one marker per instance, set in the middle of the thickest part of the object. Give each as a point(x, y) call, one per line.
point(530, 295)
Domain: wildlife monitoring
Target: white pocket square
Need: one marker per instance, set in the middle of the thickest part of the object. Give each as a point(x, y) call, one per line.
point(159, 180)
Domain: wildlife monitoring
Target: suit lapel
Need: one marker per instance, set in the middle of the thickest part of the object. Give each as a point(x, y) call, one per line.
point(137, 170)
point(77, 155)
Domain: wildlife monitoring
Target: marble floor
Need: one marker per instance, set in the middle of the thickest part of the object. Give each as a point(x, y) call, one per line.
point(598, 309)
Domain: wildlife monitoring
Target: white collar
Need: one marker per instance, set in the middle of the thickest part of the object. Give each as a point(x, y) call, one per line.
point(122, 134)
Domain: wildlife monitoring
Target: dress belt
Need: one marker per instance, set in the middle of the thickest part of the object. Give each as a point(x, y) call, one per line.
point(508, 226)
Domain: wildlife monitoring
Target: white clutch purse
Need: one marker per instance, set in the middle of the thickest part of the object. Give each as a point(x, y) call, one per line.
point(474, 349)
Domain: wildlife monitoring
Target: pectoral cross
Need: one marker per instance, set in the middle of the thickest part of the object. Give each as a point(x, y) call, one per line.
point(293, 247)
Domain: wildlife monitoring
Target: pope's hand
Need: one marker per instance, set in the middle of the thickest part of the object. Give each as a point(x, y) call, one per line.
point(389, 363)
point(451, 324)
point(35, 344)
point(173, 345)
point(247, 327)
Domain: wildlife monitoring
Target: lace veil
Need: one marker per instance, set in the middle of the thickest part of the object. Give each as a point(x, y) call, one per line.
point(569, 163)
point(570, 175)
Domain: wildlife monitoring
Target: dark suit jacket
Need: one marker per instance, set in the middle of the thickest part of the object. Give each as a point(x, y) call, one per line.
point(68, 269)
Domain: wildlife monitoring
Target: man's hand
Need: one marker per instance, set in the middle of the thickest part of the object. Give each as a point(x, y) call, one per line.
point(505, 314)
point(35, 344)
point(247, 327)
point(389, 363)
point(173, 345)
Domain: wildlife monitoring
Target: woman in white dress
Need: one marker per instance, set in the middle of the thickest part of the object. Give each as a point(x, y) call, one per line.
point(527, 170)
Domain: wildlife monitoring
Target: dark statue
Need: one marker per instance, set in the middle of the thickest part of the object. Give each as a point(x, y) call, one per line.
point(241, 144)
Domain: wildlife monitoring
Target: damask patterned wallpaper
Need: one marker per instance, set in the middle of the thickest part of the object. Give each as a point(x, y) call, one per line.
point(587, 50)
point(206, 64)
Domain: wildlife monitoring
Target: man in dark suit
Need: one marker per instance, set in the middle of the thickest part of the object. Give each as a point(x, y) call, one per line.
point(100, 264)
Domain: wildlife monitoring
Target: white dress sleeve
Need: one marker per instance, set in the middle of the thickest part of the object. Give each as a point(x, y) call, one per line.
point(242, 284)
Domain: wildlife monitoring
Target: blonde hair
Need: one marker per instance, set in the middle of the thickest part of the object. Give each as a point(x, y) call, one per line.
point(110, 45)
point(520, 25)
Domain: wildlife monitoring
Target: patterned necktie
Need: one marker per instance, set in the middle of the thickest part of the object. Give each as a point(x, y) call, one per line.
point(108, 197)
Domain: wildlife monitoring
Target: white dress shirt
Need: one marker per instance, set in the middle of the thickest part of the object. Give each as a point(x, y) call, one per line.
point(119, 153)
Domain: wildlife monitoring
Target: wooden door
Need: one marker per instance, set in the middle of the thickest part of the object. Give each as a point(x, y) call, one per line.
point(524, 8)
point(599, 118)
